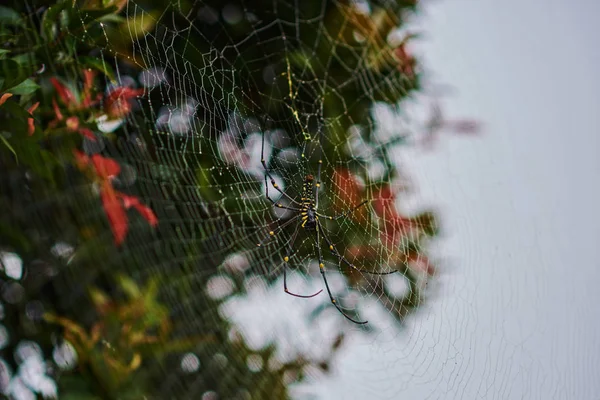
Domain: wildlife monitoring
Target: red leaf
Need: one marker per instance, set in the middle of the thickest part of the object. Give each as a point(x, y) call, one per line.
point(87, 133)
point(129, 201)
point(395, 225)
point(465, 126)
point(88, 85)
point(118, 101)
point(57, 113)
point(406, 62)
point(81, 158)
point(30, 121)
point(346, 185)
point(63, 92)
point(383, 202)
point(148, 214)
point(72, 123)
point(88, 79)
point(73, 126)
point(105, 167)
point(145, 211)
point(420, 262)
point(347, 188)
point(115, 212)
point(349, 194)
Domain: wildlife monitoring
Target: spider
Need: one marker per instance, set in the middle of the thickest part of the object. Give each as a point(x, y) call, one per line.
point(307, 211)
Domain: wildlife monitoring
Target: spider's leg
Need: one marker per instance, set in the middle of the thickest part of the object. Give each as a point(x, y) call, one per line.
point(322, 269)
point(278, 205)
point(286, 259)
point(275, 186)
point(318, 184)
point(345, 213)
point(277, 230)
point(344, 260)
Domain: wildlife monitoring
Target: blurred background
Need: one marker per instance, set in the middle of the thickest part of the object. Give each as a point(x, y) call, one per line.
point(135, 198)
point(517, 317)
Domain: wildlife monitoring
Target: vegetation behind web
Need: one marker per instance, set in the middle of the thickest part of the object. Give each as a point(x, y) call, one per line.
point(114, 222)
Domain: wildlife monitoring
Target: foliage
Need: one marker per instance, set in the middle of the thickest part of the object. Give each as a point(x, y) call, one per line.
point(124, 334)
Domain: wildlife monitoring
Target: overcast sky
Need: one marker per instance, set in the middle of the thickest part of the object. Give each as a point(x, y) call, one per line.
point(517, 313)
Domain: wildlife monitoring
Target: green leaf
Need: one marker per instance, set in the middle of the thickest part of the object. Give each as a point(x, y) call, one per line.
point(12, 72)
point(99, 298)
point(12, 150)
point(41, 162)
point(129, 286)
point(75, 387)
point(16, 112)
point(113, 18)
point(139, 25)
point(428, 222)
point(28, 86)
point(100, 65)
point(8, 16)
point(72, 395)
point(3, 53)
point(28, 64)
point(14, 237)
point(185, 344)
point(151, 291)
point(50, 18)
point(91, 15)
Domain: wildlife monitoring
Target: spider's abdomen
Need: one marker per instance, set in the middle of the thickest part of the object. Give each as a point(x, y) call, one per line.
point(309, 218)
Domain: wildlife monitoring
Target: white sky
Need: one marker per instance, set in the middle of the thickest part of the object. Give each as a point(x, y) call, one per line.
point(516, 316)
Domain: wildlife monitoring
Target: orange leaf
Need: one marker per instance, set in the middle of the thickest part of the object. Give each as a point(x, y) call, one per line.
point(30, 121)
point(115, 212)
point(5, 97)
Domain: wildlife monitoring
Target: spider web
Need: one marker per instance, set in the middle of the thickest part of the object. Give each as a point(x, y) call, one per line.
point(210, 118)
point(213, 91)
point(224, 85)
point(213, 119)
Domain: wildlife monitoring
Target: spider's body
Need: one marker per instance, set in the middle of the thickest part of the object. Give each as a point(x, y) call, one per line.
point(309, 213)
point(306, 210)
